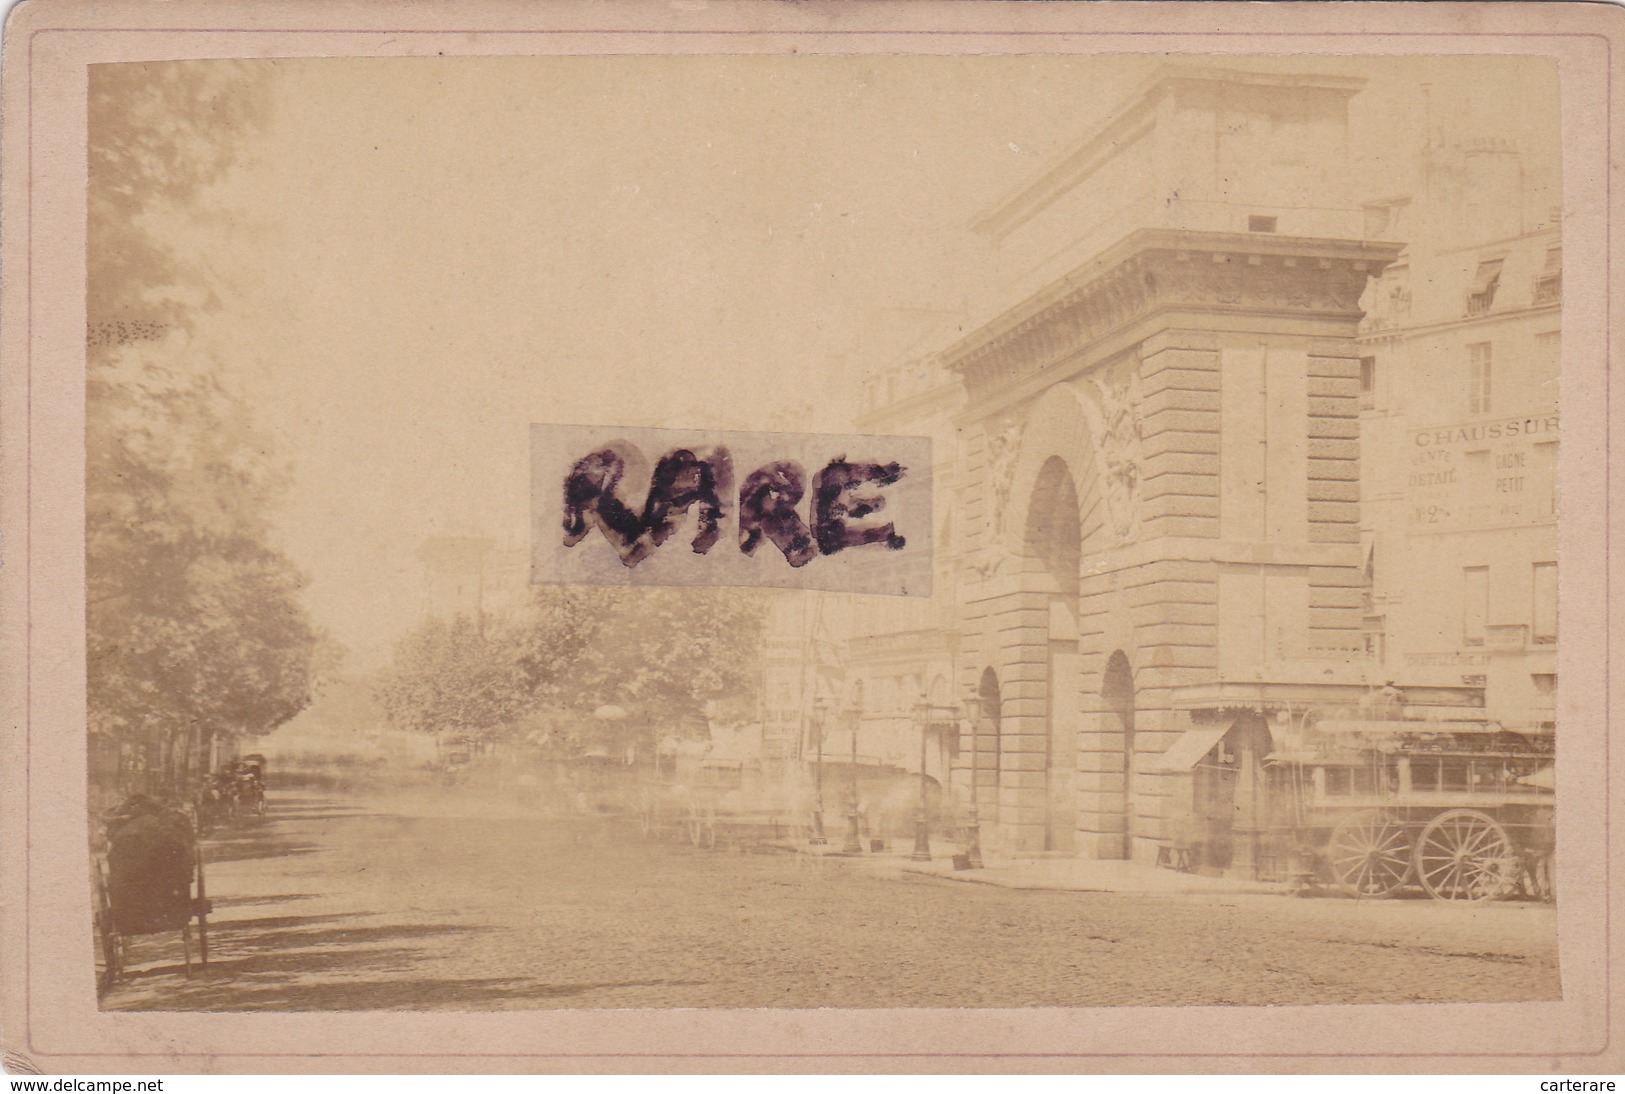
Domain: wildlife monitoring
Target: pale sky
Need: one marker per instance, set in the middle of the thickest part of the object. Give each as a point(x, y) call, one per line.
point(428, 255)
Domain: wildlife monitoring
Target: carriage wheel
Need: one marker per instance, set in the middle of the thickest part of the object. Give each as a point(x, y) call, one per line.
point(111, 944)
point(1466, 855)
point(1370, 855)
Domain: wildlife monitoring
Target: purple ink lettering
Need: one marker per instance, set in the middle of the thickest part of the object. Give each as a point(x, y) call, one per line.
point(836, 501)
point(767, 507)
point(680, 480)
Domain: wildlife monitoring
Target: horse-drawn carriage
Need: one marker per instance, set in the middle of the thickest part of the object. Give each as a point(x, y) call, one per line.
point(1462, 813)
point(148, 879)
point(236, 790)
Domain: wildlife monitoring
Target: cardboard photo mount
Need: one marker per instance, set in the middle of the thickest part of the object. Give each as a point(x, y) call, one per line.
point(49, 1020)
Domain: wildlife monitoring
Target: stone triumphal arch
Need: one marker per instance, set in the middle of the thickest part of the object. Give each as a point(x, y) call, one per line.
point(1161, 497)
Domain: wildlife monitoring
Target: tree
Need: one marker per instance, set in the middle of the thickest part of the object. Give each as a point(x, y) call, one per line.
point(665, 653)
point(662, 654)
point(462, 676)
point(562, 626)
point(194, 620)
point(160, 133)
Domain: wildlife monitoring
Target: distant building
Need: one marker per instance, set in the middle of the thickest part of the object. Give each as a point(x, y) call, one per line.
point(1460, 358)
point(803, 674)
point(903, 654)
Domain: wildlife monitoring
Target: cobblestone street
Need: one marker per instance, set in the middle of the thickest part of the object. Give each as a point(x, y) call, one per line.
point(329, 905)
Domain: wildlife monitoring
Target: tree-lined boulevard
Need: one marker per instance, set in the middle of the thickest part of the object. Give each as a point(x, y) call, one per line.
point(452, 900)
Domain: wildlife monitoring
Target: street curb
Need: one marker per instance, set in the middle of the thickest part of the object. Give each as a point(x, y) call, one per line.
point(971, 877)
point(896, 867)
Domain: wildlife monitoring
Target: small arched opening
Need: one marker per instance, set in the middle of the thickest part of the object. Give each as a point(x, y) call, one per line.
point(1117, 705)
point(985, 764)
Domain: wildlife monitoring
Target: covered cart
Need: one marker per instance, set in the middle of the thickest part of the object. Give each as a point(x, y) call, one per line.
point(1463, 812)
point(148, 880)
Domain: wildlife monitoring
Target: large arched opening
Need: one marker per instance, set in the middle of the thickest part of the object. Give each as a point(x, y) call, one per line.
point(1045, 638)
point(1053, 548)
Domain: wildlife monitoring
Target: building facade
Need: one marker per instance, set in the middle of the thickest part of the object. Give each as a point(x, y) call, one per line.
point(902, 658)
point(1460, 367)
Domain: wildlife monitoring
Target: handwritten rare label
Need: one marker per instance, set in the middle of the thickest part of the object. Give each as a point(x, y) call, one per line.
point(624, 506)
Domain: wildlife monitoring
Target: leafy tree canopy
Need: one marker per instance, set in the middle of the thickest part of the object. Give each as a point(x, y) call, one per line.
point(462, 676)
point(660, 654)
point(194, 618)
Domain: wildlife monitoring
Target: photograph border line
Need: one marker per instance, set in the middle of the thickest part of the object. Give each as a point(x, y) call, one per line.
point(28, 277)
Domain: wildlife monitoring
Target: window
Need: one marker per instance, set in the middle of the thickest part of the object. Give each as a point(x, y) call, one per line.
point(1482, 293)
point(1478, 378)
point(1545, 606)
point(1549, 344)
point(1261, 224)
point(1376, 640)
point(1543, 465)
point(1549, 282)
point(1475, 602)
point(1368, 382)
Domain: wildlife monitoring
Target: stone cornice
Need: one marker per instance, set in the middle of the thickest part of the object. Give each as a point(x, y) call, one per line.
point(1156, 269)
point(1406, 331)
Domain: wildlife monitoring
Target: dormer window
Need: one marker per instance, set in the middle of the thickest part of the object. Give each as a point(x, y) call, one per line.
point(1478, 378)
point(1481, 295)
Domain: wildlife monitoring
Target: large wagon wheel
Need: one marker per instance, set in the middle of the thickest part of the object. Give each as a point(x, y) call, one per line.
point(1370, 854)
point(1466, 855)
point(109, 941)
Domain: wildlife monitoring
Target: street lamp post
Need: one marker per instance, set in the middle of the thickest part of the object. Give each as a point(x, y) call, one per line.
point(973, 823)
point(922, 829)
point(821, 722)
point(853, 845)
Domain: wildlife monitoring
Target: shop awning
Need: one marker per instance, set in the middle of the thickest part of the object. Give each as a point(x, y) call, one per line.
point(1192, 745)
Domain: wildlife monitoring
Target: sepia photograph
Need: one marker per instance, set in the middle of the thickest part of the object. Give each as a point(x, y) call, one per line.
point(657, 531)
